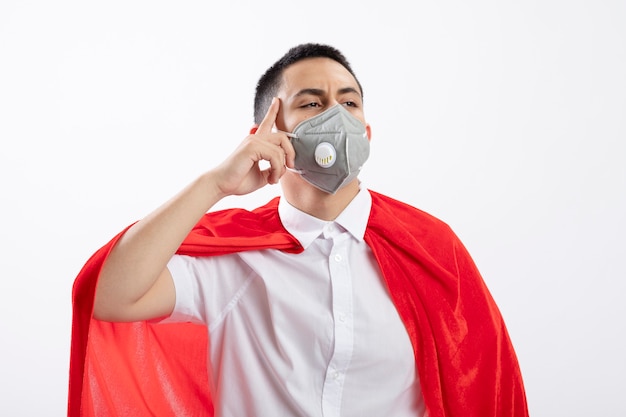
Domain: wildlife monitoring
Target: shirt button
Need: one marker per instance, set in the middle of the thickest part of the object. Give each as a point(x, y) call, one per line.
point(335, 374)
point(338, 258)
point(342, 317)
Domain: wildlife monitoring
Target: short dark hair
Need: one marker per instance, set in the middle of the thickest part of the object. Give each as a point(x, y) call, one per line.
point(269, 83)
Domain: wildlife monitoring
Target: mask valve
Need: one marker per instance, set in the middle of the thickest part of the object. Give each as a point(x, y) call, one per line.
point(325, 155)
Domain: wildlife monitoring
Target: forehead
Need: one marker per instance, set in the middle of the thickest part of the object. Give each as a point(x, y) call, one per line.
point(319, 73)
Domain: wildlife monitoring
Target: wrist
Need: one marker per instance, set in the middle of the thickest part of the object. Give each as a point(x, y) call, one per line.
point(209, 184)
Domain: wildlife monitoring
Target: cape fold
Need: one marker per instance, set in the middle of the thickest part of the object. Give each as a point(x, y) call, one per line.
point(464, 356)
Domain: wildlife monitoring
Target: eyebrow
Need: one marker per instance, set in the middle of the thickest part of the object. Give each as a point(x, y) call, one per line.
point(319, 92)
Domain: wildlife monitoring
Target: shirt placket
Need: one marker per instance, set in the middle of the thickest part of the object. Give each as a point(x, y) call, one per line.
point(341, 284)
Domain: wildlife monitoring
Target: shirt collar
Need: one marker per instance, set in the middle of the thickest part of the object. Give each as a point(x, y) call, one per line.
point(307, 228)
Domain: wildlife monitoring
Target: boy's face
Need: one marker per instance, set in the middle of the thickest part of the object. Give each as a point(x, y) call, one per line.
point(313, 85)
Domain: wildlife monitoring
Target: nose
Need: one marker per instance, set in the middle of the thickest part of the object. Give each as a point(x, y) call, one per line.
point(333, 103)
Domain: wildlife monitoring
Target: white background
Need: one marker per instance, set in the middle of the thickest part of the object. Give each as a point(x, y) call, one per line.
point(505, 119)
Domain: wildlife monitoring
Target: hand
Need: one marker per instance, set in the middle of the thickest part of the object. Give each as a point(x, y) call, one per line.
point(240, 173)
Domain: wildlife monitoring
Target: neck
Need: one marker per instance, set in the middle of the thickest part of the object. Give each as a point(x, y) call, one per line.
point(316, 202)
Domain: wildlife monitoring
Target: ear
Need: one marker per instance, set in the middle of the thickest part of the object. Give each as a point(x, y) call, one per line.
point(253, 129)
point(368, 130)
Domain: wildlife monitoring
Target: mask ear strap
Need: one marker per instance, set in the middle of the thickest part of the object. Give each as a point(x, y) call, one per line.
point(297, 171)
point(289, 135)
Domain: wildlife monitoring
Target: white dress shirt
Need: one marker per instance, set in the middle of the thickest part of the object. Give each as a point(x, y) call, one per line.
point(309, 334)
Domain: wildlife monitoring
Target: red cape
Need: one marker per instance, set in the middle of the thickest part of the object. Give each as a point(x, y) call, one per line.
point(464, 357)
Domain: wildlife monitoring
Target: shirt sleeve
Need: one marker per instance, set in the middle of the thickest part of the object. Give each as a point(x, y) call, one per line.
point(190, 305)
point(206, 287)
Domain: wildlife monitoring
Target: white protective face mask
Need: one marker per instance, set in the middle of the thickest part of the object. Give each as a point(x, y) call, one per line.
point(331, 148)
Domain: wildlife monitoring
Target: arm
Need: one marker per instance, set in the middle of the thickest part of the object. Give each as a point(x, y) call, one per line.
point(134, 283)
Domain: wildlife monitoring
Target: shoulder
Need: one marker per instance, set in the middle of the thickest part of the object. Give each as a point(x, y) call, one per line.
point(241, 222)
point(398, 225)
point(386, 210)
point(236, 230)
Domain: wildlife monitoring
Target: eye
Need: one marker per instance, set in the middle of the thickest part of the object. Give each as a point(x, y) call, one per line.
point(312, 104)
point(350, 104)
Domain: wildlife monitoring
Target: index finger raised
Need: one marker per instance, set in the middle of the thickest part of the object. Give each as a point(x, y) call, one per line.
point(270, 117)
